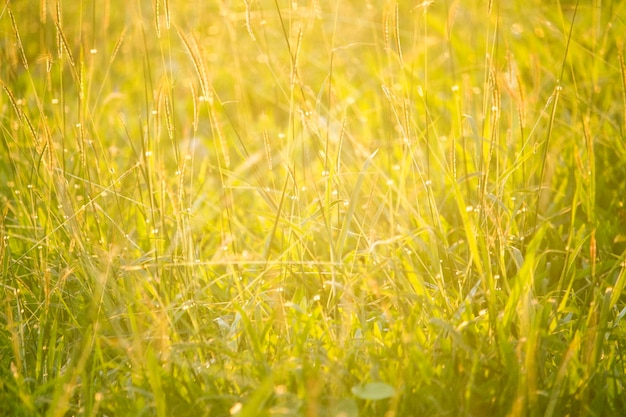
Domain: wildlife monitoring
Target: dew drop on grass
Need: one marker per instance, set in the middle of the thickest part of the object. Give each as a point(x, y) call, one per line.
point(280, 389)
point(93, 51)
point(235, 409)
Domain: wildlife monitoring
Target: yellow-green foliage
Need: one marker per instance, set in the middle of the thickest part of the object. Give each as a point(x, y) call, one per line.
point(334, 208)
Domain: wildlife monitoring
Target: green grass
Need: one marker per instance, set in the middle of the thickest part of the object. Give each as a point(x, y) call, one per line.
point(312, 208)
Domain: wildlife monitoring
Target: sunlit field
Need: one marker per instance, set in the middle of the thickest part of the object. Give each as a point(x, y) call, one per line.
point(312, 208)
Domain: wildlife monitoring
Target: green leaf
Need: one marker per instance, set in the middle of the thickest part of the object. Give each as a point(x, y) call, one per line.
point(373, 391)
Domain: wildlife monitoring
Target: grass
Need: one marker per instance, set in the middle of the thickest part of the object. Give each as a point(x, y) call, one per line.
point(269, 208)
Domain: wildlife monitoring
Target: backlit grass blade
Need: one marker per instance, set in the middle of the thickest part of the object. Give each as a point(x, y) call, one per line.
point(352, 204)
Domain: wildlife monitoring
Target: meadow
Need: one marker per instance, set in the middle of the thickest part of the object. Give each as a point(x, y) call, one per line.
point(312, 208)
